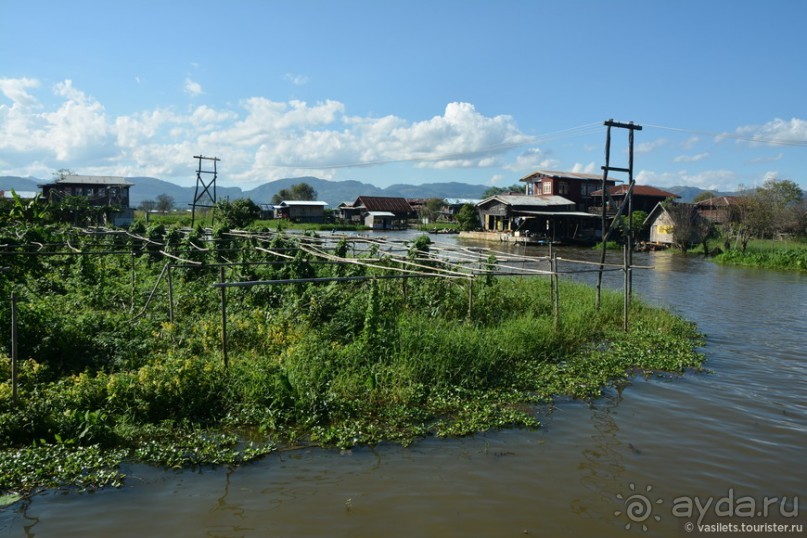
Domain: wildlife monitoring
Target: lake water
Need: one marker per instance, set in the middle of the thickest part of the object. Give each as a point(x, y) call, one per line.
point(738, 430)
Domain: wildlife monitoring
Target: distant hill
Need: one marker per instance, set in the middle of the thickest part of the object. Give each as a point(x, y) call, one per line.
point(688, 194)
point(20, 184)
point(332, 192)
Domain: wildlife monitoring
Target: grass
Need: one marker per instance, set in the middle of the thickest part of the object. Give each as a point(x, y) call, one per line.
point(768, 254)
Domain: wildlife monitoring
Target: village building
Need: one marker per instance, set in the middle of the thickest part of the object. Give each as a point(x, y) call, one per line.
point(301, 211)
point(573, 186)
point(718, 209)
point(644, 198)
point(377, 212)
point(537, 218)
point(100, 191)
point(662, 223)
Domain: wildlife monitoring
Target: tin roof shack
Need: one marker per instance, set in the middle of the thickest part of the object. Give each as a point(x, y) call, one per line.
point(571, 185)
point(379, 220)
point(677, 224)
point(537, 218)
point(108, 192)
point(301, 211)
point(645, 198)
point(363, 205)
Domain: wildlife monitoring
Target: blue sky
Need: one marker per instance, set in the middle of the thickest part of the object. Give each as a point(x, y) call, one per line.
point(389, 91)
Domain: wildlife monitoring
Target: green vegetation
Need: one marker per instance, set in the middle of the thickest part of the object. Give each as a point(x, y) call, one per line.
point(111, 371)
point(768, 254)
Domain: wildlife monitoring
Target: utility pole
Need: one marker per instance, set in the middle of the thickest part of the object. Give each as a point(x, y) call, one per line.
point(208, 188)
point(627, 205)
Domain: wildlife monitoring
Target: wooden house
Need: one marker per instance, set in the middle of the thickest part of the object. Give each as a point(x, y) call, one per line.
point(301, 211)
point(718, 209)
point(539, 217)
point(100, 191)
point(662, 223)
point(379, 220)
point(573, 186)
point(363, 206)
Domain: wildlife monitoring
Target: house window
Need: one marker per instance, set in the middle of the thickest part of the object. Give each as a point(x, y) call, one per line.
point(547, 186)
point(563, 188)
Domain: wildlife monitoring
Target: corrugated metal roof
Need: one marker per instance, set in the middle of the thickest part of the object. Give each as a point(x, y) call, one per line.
point(93, 180)
point(580, 214)
point(383, 203)
point(563, 175)
point(530, 201)
point(302, 203)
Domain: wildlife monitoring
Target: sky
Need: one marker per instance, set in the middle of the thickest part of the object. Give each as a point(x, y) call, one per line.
point(389, 91)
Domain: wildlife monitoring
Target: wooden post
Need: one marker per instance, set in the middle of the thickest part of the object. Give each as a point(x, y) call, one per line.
point(13, 349)
point(626, 298)
point(603, 237)
point(470, 297)
point(223, 318)
point(131, 309)
point(170, 296)
point(555, 292)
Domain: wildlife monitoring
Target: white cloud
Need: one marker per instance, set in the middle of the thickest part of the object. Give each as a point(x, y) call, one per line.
point(532, 159)
point(16, 89)
point(258, 140)
point(690, 158)
point(580, 168)
point(767, 159)
point(647, 147)
point(193, 88)
point(723, 180)
point(776, 132)
point(297, 80)
point(690, 142)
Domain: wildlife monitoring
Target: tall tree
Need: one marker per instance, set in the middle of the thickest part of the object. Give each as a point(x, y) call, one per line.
point(493, 191)
point(238, 213)
point(431, 209)
point(62, 173)
point(165, 203)
point(298, 191)
point(689, 227)
point(468, 218)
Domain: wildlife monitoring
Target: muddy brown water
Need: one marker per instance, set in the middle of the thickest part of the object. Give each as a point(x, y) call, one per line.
point(627, 459)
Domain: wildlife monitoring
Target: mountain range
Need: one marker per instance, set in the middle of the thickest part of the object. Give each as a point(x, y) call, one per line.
point(332, 192)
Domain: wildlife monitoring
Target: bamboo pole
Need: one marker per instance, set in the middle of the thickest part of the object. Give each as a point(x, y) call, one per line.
point(223, 318)
point(14, 351)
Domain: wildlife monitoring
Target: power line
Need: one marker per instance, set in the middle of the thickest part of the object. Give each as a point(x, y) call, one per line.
point(755, 138)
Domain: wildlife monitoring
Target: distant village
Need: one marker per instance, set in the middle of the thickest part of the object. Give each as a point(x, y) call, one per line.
point(550, 206)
